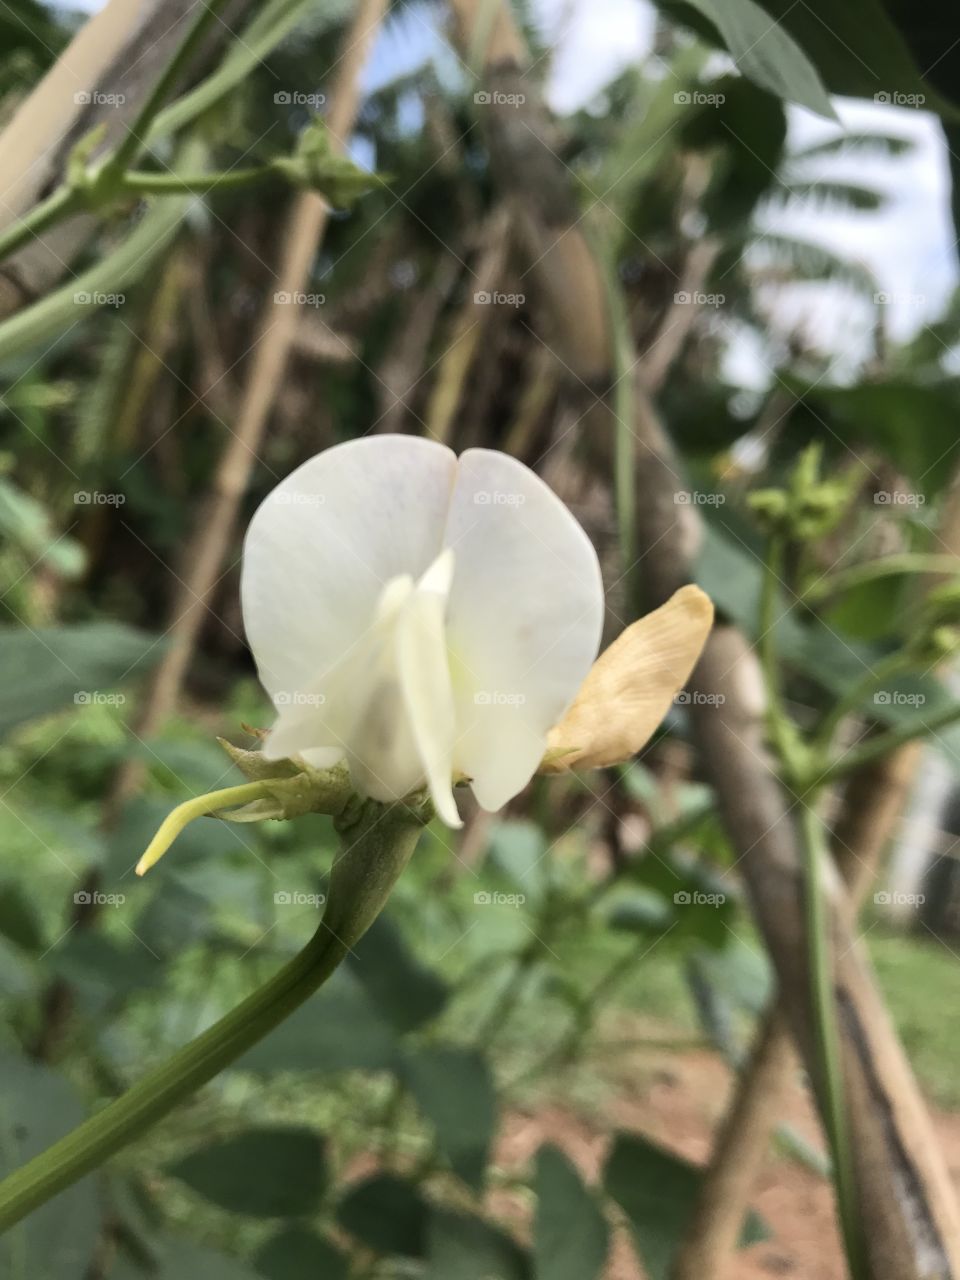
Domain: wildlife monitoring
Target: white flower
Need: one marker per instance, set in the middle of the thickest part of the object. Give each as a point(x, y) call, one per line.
point(420, 615)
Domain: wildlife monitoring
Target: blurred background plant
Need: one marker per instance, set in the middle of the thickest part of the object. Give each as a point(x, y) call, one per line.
point(518, 1071)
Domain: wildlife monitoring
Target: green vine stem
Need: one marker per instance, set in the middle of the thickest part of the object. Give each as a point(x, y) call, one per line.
point(881, 745)
point(816, 858)
point(135, 138)
point(379, 841)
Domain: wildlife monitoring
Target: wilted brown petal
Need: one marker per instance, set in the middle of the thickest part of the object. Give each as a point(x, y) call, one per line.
point(631, 686)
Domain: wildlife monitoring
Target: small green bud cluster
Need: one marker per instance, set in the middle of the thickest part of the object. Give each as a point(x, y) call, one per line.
point(808, 507)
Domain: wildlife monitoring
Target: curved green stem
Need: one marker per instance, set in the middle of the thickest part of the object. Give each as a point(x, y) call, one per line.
point(882, 744)
point(63, 201)
point(170, 1083)
point(141, 182)
point(888, 668)
point(136, 136)
point(824, 1009)
point(872, 570)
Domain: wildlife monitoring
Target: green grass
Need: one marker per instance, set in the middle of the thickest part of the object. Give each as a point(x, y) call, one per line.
point(920, 977)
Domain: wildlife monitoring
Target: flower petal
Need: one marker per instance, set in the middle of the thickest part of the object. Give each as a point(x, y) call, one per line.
point(523, 622)
point(631, 685)
point(325, 542)
point(427, 692)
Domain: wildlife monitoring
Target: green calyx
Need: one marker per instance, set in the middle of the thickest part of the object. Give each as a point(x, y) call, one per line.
point(289, 789)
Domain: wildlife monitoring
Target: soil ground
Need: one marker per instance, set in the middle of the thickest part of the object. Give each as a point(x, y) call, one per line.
point(678, 1103)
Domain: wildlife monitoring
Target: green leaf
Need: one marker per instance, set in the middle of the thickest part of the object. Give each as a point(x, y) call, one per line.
point(183, 1260)
point(265, 1172)
point(402, 990)
point(914, 425)
point(56, 1241)
point(103, 971)
point(337, 1030)
point(517, 851)
point(658, 1192)
point(296, 1254)
point(19, 920)
point(572, 1237)
point(386, 1214)
point(55, 667)
point(455, 1091)
point(174, 918)
point(461, 1247)
point(766, 53)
